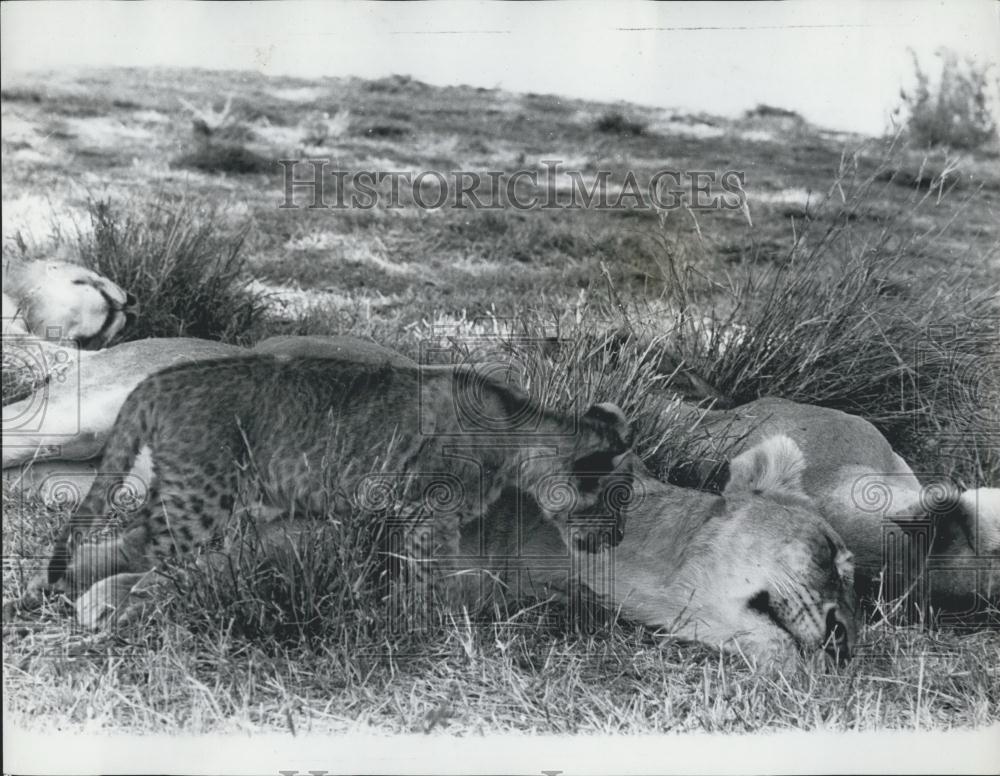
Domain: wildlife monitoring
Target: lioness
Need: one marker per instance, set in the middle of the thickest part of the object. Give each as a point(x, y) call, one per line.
point(59, 300)
point(933, 541)
point(69, 419)
point(755, 569)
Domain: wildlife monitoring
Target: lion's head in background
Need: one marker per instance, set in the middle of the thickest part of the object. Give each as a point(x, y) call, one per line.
point(60, 300)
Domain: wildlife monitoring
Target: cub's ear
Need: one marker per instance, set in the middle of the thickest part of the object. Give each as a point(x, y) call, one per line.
point(772, 466)
point(602, 445)
point(604, 470)
point(611, 418)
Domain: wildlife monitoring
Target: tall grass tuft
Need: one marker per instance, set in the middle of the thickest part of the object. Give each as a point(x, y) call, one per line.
point(836, 324)
point(183, 265)
point(305, 584)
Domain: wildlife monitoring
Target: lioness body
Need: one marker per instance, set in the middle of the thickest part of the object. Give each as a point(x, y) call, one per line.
point(868, 493)
point(70, 418)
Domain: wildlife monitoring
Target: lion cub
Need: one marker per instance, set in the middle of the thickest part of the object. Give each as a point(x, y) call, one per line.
point(311, 435)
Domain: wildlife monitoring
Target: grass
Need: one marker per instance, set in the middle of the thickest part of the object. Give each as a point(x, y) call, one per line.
point(179, 259)
point(498, 680)
point(828, 324)
point(872, 297)
point(304, 643)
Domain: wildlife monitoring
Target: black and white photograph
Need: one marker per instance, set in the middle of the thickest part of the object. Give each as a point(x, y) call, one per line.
point(484, 387)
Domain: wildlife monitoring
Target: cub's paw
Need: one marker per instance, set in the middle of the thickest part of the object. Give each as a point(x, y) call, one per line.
point(113, 601)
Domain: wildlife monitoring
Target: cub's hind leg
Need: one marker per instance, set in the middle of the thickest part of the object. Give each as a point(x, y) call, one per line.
point(79, 557)
point(187, 508)
point(195, 501)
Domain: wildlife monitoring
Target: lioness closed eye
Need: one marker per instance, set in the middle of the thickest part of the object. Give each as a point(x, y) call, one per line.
point(755, 569)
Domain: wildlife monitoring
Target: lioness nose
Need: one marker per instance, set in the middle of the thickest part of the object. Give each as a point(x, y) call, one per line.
point(836, 642)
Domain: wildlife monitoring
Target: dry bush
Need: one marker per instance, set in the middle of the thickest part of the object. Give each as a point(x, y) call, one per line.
point(616, 123)
point(953, 112)
point(225, 158)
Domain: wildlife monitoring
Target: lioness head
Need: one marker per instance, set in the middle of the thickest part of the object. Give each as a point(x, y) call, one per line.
point(69, 299)
point(755, 570)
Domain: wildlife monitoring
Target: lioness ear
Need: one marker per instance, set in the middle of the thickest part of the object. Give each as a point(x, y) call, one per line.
point(773, 466)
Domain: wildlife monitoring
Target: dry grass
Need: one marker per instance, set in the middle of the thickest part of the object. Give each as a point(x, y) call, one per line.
point(186, 266)
point(831, 324)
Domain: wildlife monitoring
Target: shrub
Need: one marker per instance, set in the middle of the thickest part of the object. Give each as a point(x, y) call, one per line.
point(954, 112)
point(765, 111)
point(615, 123)
point(384, 131)
point(311, 584)
point(185, 269)
point(394, 84)
point(224, 157)
point(323, 128)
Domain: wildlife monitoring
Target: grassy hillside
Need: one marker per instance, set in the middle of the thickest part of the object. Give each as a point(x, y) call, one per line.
point(857, 273)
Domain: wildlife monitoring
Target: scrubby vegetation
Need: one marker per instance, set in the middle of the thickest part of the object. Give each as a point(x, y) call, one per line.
point(952, 110)
point(616, 123)
point(225, 157)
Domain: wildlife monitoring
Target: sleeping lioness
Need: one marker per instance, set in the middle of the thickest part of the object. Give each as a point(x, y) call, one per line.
point(932, 541)
point(755, 569)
